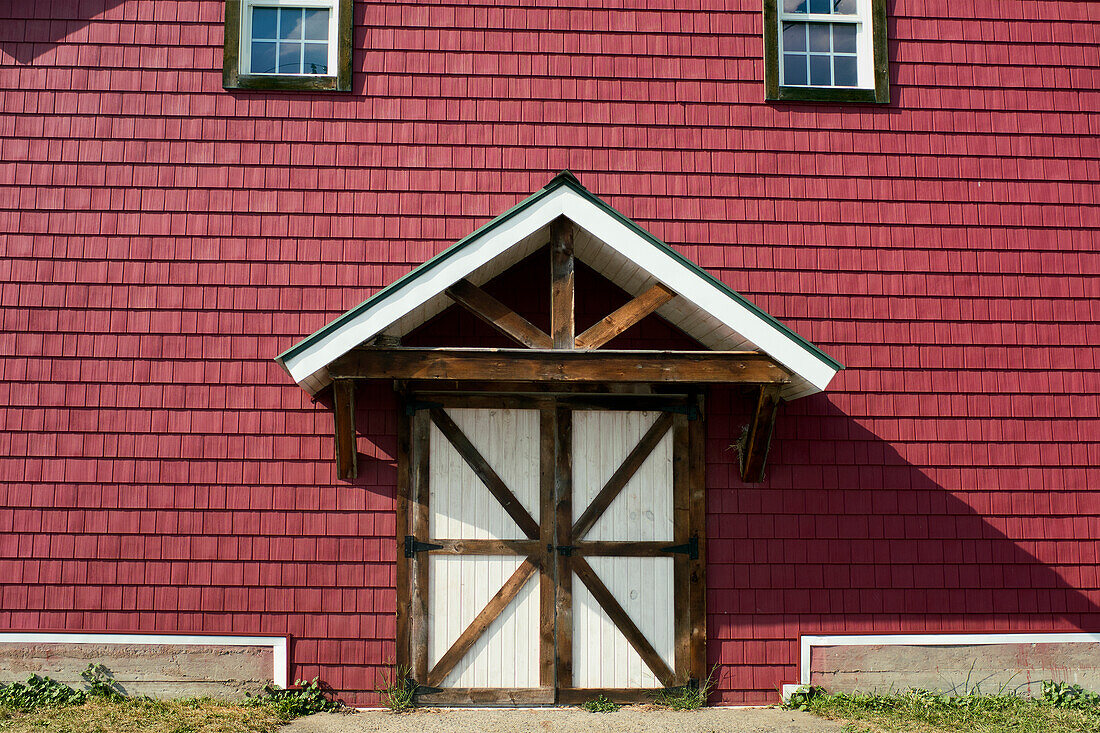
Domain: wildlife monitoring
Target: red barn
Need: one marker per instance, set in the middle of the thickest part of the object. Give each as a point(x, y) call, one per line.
point(317, 359)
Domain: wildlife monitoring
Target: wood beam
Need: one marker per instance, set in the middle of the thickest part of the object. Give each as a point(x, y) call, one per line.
point(525, 548)
point(343, 395)
point(625, 317)
point(524, 365)
point(562, 309)
point(499, 316)
point(754, 455)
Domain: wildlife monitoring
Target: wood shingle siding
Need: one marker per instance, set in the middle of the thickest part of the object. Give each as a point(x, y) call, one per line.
point(162, 239)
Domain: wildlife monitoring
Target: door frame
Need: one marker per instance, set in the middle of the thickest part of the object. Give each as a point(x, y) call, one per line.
point(555, 524)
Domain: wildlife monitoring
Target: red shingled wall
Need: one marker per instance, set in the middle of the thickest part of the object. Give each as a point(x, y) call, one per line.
point(163, 239)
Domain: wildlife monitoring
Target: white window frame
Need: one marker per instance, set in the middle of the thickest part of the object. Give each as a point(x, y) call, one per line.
point(245, 51)
point(865, 40)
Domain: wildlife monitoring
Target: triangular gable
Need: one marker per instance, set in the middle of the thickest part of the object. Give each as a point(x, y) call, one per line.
point(607, 241)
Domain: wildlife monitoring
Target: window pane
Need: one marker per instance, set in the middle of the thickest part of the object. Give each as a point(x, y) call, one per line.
point(845, 71)
point(290, 58)
point(263, 58)
point(844, 38)
point(263, 22)
point(844, 7)
point(290, 23)
point(794, 36)
point(820, 71)
point(794, 6)
point(794, 69)
point(316, 27)
point(316, 58)
point(821, 6)
point(819, 36)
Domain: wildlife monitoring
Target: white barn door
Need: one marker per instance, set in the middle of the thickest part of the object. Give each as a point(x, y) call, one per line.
point(642, 511)
point(553, 553)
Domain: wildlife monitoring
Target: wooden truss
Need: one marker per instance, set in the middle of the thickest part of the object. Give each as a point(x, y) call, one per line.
point(561, 357)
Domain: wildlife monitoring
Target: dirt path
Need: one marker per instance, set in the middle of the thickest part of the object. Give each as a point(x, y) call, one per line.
point(558, 720)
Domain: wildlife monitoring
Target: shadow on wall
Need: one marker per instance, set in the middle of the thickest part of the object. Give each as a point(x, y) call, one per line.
point(25, 39)
point(845, 535)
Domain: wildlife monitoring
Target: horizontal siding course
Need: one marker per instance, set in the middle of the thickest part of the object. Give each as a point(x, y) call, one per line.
point(162, 239)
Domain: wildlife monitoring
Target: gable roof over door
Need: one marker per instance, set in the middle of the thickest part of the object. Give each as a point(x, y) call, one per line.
point(613, 245)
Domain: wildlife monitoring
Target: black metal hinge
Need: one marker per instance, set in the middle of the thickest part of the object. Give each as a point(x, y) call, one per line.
point(413, 546)
point(689, 548)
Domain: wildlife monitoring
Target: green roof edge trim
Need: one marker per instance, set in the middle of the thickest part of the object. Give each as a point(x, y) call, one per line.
point(564, 178)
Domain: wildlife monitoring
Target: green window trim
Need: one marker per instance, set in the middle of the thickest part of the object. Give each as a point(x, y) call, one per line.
point(775, 92)
point(232, 78)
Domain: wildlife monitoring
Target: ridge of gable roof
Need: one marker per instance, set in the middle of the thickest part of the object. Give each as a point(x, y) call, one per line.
point(293, 356)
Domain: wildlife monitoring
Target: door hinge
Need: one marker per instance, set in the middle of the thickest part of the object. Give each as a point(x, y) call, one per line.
point(413, 546)
point(411, 406)
point(689, 548)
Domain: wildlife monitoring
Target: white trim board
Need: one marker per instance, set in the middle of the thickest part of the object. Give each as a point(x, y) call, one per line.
point(808, 642)
point(279, 644)
point(703, 308)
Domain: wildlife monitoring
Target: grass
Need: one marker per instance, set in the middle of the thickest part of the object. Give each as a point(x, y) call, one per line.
point(600, 704)
point(924, 712)
point(44, 705)
point(398, 691)
point(97, 715)
point(688, 697)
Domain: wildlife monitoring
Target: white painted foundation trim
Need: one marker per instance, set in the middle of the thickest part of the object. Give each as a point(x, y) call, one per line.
point(279, 644)
point(808, 642)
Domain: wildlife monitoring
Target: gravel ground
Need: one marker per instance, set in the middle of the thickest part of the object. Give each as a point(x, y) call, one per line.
point(566, 720)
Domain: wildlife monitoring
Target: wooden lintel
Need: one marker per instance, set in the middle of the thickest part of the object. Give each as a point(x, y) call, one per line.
point(625, 317)
point(499, 316)
point(754, 454)
point(343, 394)
point(562, 315)
point(530, 365)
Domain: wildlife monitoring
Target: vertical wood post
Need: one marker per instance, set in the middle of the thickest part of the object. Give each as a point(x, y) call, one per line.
point(563, 509)
point(562, 325)
point(418, 526)
point(343, 393)
point(697, 575)
point(401, 509)
point(547, 464)
point(682, 530)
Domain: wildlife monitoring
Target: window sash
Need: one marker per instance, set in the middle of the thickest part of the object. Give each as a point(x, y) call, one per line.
point(865, 52)
point(333, 30)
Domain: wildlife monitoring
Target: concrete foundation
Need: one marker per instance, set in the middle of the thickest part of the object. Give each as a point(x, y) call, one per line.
point(159, 670)
point(989, 668)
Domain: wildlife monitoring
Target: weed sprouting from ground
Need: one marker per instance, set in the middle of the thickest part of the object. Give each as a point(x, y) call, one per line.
point(306, 698)
point(688, 697)
point(398, 692)
point(600, 704)
point(1060, 709)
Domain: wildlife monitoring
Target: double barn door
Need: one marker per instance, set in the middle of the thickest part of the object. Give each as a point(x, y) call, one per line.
point(551, 548)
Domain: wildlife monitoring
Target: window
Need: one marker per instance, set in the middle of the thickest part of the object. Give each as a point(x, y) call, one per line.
point(288, 44)
point(826, 50)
